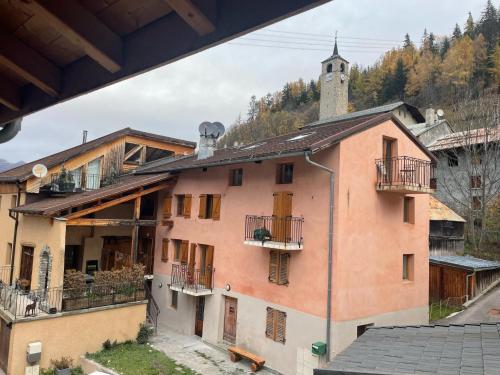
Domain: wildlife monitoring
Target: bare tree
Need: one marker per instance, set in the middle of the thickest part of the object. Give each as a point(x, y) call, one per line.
point(469, 162)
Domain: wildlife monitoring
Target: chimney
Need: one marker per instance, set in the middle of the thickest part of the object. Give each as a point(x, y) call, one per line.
point(209, 133)
point(430, 116)
point(85, 132)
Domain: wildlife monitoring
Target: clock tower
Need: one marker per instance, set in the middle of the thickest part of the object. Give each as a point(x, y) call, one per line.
point(334, 85)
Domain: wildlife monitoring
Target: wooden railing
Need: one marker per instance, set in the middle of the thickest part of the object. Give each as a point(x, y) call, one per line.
point(271, 228)
point(405, 171)
point(197, 280)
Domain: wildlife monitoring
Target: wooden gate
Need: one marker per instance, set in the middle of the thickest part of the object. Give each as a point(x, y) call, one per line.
point(230, 318)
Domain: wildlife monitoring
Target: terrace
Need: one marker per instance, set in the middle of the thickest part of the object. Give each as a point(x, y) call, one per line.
point(188, 280)
point(272, 232)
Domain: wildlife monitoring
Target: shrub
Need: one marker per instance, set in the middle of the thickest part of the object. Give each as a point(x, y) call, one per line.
point(143, 334)
point(107, 345)
point(60, 364)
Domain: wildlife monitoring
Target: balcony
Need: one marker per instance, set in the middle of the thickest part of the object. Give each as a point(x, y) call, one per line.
point(274, 232)
point(73, 182)
point(195, 282)
point(405, 175)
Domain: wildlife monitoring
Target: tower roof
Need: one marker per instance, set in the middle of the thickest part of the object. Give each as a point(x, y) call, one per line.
point(335, 54)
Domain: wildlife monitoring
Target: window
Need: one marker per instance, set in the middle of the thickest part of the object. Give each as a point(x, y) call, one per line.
point(476, 203)
point(475, 182)
point(452, 159)
point(164, 250)
point(13, 201)
point(279, 263)
point(276, 325)
point(342, 68)
point(408, 267)
point(236, 177)
point(329, 68)
point(173, 299)
point(184, 205)
point(362, 328)
point(284, 173)
point(177, 250)
point(409, 210)
point(210, 206)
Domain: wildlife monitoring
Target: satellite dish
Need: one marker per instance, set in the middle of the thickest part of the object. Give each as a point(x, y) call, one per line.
point(220, 129)
point(203, 128)
point(211, 129)
point(39, 170)
point(440, 113)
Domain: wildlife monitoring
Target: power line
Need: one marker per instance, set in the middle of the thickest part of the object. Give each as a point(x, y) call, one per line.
point(305, 43)
point(295, 48)
point(326, 39)
point(325, 35)
point(330, 41)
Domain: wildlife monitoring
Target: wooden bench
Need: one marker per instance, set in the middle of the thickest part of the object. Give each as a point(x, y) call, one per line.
point(236, 354)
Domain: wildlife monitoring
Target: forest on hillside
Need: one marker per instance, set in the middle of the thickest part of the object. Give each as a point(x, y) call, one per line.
point(436, 72)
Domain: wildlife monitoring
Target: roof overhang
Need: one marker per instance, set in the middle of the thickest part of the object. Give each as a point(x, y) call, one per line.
point(92, 52)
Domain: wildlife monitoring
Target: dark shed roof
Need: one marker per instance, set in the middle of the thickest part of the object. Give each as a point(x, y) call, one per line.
point(470, 349)
point(464, 262)
point(23, 172)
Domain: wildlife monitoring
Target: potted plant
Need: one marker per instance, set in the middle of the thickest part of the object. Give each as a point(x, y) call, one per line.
point(62, 366)
point(262, 234)
point(65, 181)
point(24, 285)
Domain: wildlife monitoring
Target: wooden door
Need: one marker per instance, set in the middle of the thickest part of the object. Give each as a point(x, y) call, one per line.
point(26, 263)
point(209, 266)
point(282, 214)
point(389, 151)
point(230, 318)
point(200, 313)
point(192, 258)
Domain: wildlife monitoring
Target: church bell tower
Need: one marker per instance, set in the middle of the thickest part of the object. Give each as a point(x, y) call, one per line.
point(334, 85)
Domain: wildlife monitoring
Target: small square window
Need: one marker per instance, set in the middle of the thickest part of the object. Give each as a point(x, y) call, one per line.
point(452, 159)
point(284, 173)
point(408, 267)
point(276, 325)
point(236, 177)
point(409, 210)
point(475, 182)
point(173, 299)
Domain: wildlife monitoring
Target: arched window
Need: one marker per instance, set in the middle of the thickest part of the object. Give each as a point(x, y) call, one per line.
point(329, 68)
point(342, 68)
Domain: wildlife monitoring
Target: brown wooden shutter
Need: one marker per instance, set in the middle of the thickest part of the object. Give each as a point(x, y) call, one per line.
point(164, 250)
point(270, 323)
point(167, 207)
point(273, 266)
point(280, 326)
point(209, 263)
point(184, 251)
point(216, 207)
point(284, 262)
point(192, 255)
point(187, 205)
point(203, 206)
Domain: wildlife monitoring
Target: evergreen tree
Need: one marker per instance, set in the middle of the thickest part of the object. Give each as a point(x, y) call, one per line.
point(445, 46)
point(431, 42)
point(457, 33)
point(252, 108)
point(400, 79)
point(407, 42)
point(314, 91)
point(489, 26)
point(469, 27)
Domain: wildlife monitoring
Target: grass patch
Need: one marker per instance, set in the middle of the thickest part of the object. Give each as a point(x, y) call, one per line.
point(132, 359)
point(436, 312)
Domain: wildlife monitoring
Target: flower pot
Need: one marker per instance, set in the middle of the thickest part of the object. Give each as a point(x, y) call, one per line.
point(64, 371)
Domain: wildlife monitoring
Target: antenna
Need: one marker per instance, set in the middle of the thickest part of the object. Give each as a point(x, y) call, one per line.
point(85, 133)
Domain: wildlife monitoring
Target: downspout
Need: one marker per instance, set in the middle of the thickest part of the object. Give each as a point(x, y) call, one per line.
point(14, 240)
point(330, 251)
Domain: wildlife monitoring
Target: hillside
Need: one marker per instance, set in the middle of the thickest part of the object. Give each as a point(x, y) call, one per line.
point(440, 72)
point(5, 165)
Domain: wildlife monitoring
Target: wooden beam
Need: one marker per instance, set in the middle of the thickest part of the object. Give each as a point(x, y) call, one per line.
point(132, 152)
point(135, 231)
point(192, 15)
point(83, 29)
point(109, 222)
point(116, 201)
point(28, 64)
point(10, 94)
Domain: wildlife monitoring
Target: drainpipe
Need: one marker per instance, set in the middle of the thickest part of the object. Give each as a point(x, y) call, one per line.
point(330, 252)
point(14, 240)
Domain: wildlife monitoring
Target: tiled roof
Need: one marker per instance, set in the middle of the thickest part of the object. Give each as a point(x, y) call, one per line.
point(470, 349)
point(371, 111)
point(23, 172)
point(52, 206)
point(311, 139)
point(441, 212)
point(466, 262)
point(466, 138)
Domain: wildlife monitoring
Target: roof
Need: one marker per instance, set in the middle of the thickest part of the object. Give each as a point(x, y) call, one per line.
point(23, 172)
point(372, 111)
point(465, 262)
point(441, 212)
point(466, 138)
point(470, 349)
point(291, 144)
point(423, 127)
point(52, 206)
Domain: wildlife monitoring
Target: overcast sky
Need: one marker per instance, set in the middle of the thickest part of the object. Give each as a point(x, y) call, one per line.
point(216, 84)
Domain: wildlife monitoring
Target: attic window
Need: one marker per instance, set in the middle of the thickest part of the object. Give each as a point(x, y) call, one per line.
point(254, 146)
point(298, 137)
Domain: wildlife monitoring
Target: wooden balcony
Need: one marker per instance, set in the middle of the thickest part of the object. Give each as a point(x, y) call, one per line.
point(405, 175)
point(188, 280)
point(274, 232)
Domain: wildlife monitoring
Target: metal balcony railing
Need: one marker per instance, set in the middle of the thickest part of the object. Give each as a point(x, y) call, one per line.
point(73, 182)
point(190, 279)
point(405, 171)
point(286, 230)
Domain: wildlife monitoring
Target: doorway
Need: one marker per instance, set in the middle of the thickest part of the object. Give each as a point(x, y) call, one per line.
point(26, 264)
point(73, 257)
point(230, 317)
point(200, 314)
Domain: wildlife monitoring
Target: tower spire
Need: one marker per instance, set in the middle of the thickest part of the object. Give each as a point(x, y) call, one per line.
point(335, 48)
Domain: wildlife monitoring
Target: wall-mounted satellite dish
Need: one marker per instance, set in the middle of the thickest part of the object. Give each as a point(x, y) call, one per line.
point(39, 170)
point(440, 113)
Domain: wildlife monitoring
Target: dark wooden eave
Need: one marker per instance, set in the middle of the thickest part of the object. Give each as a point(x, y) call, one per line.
point(55, 50)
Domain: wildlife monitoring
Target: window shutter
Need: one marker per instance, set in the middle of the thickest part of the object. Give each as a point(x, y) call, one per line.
point(164, 250)
point(192, 254)
point(167, 207)
point(284, 262)
point(203, 206)
point(187, 205)
point(184, 251)
point(273, 266)
point(216, 207)
point(270, 323)
point(280, 323)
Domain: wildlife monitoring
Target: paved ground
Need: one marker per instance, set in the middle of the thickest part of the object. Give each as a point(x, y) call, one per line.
point(195, 354)
point(486, 309)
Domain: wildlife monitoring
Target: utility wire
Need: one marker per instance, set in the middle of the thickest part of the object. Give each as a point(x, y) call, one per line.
point(326, 39)
point(306, 43)
point(330, 42)
point(326, 35)
point(295, 48)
